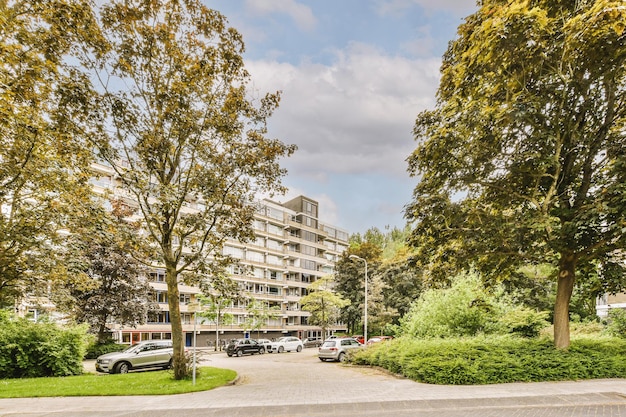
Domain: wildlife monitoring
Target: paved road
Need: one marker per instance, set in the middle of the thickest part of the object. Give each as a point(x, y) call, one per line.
point(298, 384)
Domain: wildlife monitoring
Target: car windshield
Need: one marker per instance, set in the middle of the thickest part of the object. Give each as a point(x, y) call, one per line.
point(133, 348)
point(283, 339)
point(329, 343)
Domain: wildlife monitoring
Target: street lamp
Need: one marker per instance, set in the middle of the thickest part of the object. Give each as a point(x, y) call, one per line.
point(365, 308)
point(194, 307)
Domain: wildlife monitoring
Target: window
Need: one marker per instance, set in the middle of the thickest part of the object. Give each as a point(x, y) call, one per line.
point(274, 213)
point(232, 251)
point(308, 250)
point(274, 260)
point(310, 236)
point(275, 230)
point(254, 256)
point(306, 264)
point(310, 208)
point(259, 225)
point(274, 244)
point(157, 276)
point(161, 297)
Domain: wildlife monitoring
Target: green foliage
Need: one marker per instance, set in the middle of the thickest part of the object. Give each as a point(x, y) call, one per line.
point(43, 160)
point(616, 323)
point(323, 303)
point(134, 383)
point(96, 349)
point(522, 159)
point(497, 359)
point(524, 321)
point(40, 349)
point(464, 309)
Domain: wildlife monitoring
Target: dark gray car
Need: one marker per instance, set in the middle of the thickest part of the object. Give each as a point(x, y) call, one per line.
point(240, 347)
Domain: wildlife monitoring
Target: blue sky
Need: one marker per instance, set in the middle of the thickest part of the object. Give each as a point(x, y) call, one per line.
point(353, 74)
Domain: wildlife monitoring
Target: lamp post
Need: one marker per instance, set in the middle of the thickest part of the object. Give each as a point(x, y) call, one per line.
point(194, 307)
point(365, 308)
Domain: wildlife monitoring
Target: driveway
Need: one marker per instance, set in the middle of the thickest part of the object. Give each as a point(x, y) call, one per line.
point(298, 384)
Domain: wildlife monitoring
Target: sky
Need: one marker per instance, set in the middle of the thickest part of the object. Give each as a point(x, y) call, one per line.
point(353, 76)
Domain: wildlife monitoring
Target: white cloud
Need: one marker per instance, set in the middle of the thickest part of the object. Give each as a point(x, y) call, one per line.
point(354, 116)
point(301, 14)
point(458, 7)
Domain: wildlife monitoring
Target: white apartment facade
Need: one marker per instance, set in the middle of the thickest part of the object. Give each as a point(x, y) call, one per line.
point(292, 249)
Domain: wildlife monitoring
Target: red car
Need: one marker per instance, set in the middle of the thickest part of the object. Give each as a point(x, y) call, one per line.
point(359, 338)
point(378, 339)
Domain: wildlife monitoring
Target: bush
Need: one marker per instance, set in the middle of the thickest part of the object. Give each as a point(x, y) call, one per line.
point(616, 323)
point(96, 349)
point(40, 349)
point(465, 309)
point(497, 359)
point(524, 321)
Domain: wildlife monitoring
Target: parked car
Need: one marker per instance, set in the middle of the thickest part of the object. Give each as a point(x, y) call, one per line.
point(312, 342)
point(359, 338)
point(240, 347)
point(146, 354)
point(378, 339)
point(266, 344)
point(337, 349)
point(287, 344)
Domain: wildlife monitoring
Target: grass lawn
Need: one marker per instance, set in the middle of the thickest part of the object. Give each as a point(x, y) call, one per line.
point(134, 383)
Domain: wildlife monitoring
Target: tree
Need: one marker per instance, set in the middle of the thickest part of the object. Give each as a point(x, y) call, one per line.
point(103, 283)
point(403, 282)
point(258, 313)
point(217, 295)
point(323, 303)
point(523, 161)
point(350, 281)
point(184, 137)
point(43, 160)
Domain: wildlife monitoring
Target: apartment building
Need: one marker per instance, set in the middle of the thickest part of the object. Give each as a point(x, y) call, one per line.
point(293, 248)
point(606, 302)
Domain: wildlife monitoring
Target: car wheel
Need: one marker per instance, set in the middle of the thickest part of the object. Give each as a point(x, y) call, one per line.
point(341, 357)
point(299, 349)
point(229, 354)
point(323, 360)
point(122, 368)
point(281, 349)
point(168, 365)
point(239, 352)
point(262, 350)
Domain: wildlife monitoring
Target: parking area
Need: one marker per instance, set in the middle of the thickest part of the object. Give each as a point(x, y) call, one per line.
point(298, 383)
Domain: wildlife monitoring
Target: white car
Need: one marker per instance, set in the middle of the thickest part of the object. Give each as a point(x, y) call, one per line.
point(286, 344)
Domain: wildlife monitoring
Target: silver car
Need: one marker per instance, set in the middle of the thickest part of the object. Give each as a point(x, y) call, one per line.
point(337, 349)
point(146, 354)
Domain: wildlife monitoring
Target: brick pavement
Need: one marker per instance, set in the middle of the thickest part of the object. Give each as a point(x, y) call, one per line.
point(299, 384)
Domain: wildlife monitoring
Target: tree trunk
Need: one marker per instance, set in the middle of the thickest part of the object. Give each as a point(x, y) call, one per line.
point(173, 300)
point(565, 287)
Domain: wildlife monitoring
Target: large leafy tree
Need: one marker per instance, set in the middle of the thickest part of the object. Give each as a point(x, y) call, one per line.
point(184, 135)
point(43, 159)
point(523, 159)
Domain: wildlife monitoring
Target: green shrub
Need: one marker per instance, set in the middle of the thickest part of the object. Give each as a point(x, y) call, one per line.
point(465, 309)
point(40, 349)
point(96, 349)
point(524, 321)
point(616, 322)
point(497, 359)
